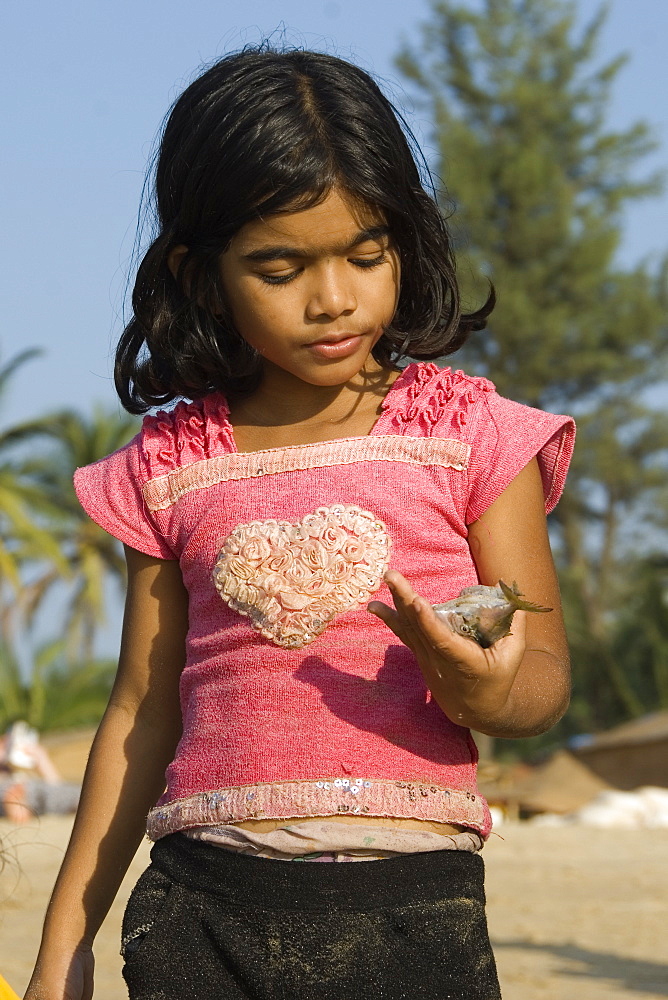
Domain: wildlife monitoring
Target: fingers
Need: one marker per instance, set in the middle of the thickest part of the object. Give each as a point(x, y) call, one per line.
point(402, 619)
point(386, 614)
point(406, 601)
point(403, 614)
point(519, 626)
point(468, 682)
point(416, 613)
point(413, 620)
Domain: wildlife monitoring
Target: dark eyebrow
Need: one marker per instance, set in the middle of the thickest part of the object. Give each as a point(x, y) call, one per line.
point(265, 254)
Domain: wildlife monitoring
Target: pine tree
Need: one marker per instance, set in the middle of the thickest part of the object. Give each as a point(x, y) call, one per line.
point(538, 183)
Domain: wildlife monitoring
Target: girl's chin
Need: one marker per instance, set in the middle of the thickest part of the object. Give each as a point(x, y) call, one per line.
point(327, 372)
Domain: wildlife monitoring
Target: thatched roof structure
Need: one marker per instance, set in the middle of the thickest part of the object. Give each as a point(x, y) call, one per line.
point(632, 755)
point(561, 785)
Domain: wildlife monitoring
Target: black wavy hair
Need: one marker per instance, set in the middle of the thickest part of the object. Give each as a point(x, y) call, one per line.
point(259, 132)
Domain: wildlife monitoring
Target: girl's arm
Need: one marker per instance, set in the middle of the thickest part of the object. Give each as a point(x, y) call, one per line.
point(124, 777)
point(520, 686)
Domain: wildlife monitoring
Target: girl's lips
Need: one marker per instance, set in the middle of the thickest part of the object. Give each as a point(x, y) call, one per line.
point(336, 349)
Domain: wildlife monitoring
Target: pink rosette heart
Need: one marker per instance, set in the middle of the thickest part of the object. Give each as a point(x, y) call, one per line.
point(292, 579)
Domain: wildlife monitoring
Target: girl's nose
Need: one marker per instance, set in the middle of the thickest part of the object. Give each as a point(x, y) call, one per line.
point(331, 295)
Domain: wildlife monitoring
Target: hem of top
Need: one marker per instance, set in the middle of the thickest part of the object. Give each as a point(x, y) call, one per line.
point(566, 445)
point(310, 798)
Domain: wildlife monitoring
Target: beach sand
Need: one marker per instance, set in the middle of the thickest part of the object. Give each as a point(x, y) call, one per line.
point(573, 912)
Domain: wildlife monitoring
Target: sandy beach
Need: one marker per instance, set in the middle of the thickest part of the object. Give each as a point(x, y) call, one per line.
point(573, 912)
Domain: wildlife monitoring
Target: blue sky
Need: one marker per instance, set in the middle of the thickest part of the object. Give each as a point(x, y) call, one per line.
point(86, 86)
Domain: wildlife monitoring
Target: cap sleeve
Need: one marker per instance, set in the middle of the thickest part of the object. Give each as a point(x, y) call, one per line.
point(505, 436)
point(110, 493)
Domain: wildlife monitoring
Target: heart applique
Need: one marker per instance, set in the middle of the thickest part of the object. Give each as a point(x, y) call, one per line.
point(291, 580)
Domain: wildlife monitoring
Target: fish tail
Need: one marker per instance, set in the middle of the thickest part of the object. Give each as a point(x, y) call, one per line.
point(514, 597)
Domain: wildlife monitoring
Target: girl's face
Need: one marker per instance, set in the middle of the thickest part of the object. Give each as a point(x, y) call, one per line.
point(312, 290)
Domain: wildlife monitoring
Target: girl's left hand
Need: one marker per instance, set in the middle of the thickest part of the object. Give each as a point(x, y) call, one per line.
point(469, 683)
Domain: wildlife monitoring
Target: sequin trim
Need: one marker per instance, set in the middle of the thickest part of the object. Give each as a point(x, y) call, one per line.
point(162, 492)
point(137, 932)
point(322, 797)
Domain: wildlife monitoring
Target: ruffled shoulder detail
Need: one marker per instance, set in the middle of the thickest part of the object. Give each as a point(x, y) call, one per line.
point(190, 432)
point(429, 401)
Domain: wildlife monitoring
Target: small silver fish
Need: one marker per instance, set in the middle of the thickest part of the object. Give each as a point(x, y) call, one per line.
point(484, 613)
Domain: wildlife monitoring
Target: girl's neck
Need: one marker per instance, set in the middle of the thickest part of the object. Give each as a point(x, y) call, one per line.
point(284, 410)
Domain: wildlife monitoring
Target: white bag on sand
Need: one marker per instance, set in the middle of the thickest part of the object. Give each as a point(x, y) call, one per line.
point(643, 809)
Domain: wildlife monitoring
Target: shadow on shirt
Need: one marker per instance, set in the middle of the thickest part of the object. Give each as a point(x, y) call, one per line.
point(395, 705)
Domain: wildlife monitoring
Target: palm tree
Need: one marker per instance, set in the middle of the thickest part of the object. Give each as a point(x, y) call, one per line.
point(23, 508)
point(47, 543)
point(92, 557)
point(57, 694)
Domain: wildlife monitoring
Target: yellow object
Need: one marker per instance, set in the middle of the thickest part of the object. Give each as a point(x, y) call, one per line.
point(6, 992)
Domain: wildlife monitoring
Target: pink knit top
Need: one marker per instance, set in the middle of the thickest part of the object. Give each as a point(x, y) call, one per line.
point(296, 701)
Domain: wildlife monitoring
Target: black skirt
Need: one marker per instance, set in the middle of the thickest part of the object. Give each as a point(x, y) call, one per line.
point(203, 922)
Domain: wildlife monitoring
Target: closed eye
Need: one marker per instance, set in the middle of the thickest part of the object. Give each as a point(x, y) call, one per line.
point(362, 262)
point(369, 261)
point(278, 279)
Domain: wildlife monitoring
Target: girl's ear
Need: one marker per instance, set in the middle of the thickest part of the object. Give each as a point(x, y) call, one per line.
point(175, 258)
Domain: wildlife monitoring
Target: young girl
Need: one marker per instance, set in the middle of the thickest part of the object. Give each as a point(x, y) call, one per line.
point(298, 259)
